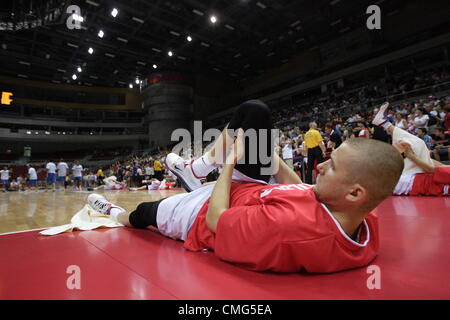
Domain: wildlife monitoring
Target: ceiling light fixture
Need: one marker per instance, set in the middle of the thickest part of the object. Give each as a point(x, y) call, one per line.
point(114, 12)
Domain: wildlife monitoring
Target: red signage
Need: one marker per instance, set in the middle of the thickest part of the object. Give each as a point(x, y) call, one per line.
point(170, 77)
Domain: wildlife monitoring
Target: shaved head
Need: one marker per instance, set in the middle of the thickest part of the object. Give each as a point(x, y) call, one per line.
point(376, 166)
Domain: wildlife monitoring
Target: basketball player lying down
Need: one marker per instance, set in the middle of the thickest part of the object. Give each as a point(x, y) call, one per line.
point(421, 176)
point(274, 222)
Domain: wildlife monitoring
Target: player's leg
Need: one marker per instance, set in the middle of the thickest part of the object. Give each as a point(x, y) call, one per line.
point(400, 136)
point(252, 114)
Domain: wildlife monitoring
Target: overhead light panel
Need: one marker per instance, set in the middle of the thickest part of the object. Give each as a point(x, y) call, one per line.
point(114, 12)
point(174, 33)
point(213, 19)
point(270, 54)
point(122, 39)
point(261, 5)
point(47, 56)
point(74, 77)
point(335, 22)
point(181, 58)
point(198, 12)
point(237, 55)
point(116, 71)
point(156, 50)
point(155, 66)
point(109, 55)
point(61, 70)
point(79, 69)
point(72, 45)
point(137, 81)
point(332, 3)
point(263, 41)
point(189, 38)
point(137, 20)
point(229, 27)
point(25, 63)
point(91, 51)
point(101, 33)
point(299, 40)
point(22, 75)
point(93, 77)
point(141, 63)
point(95, 4)
point(170, 53)
point(294, 23)
point(204, 44)
point(130, 86)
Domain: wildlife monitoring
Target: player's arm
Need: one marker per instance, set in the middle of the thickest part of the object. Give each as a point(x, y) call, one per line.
point(220, 197)
point(285, 175)
point(419, 162)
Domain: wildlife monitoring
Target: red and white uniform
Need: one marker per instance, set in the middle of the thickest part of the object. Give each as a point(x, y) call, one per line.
point(282, 228)
point(110, 184)
point(432, 184)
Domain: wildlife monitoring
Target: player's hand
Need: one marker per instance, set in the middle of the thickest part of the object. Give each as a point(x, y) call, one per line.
point(404, 147)
point(237, 148)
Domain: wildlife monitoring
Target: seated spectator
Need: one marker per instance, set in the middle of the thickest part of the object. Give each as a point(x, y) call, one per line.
point(422, 133)
point(400, 121)
point(441, 145)
point(421, 119)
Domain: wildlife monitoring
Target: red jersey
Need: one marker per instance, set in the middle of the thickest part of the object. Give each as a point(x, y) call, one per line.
point(283, 228)
point(432, 184)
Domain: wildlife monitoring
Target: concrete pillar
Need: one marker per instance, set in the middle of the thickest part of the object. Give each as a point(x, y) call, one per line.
point(168, 98)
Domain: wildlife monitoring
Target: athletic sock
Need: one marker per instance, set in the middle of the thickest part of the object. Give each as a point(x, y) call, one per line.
point(201, 167)
point(386, 125)
point(114, 212)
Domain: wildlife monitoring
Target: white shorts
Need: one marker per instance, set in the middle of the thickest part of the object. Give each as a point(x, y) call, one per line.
point(404, 184)
point(114, 187)
point(177, 214)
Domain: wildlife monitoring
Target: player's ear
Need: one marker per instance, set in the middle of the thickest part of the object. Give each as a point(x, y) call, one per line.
point(356, 194)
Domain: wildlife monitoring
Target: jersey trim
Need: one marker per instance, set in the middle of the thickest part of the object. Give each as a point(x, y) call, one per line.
point(343, 232)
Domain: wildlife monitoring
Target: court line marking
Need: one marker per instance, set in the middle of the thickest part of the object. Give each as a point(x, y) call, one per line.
point(29, 230)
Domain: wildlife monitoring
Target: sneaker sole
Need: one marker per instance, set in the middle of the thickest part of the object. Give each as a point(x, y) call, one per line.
point(183, 183)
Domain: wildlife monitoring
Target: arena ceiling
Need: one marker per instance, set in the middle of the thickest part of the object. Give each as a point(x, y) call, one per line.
point(249, 36)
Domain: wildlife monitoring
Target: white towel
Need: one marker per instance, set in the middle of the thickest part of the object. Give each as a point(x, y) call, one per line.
point(85, 219)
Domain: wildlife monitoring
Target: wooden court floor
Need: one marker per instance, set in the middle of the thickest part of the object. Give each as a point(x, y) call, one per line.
point(35, 210)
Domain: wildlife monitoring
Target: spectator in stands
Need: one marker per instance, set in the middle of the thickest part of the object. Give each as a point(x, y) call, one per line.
point(441, 148)
point(334, 138)
point(422, 133)
point(316, 150)
point(92, 179)
point(149, 171)
point(4, 177)
point(32, 177)
point(77, 171)
point(62, 173)
point(447, 118)
point(421, 119)
point(51, 175)
point(364, 132)
point(287, 152)
point(400, 121)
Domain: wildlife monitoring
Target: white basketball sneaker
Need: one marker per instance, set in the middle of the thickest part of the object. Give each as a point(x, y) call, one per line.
point(183, 171)
point(101, 205)
point(381, 117)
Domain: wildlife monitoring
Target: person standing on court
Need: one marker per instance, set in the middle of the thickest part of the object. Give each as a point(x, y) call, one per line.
point(32, 177)
point(157, 166)
point(62, 173)
point(77, 170)
point(316, 149)
point(51, 175)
